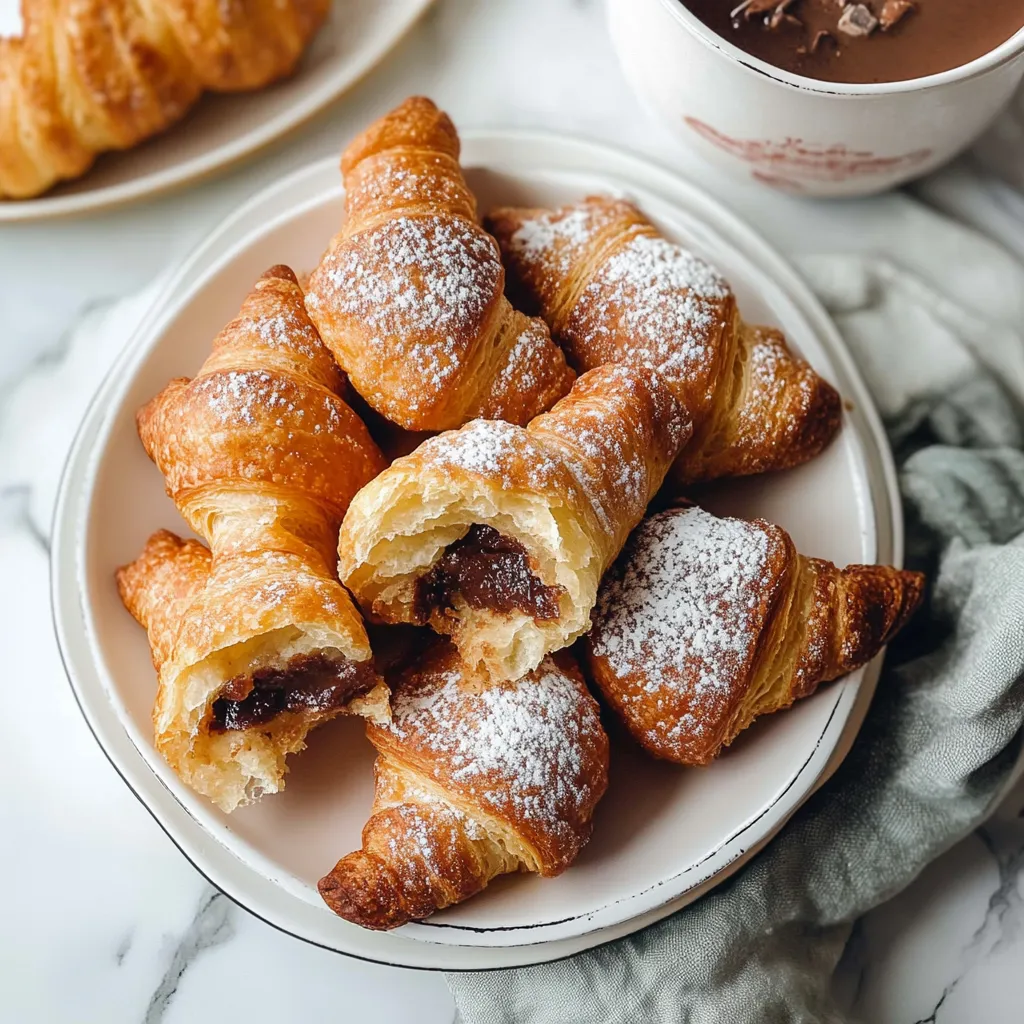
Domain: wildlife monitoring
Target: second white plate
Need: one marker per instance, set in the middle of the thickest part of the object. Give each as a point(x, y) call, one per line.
point(662, 835)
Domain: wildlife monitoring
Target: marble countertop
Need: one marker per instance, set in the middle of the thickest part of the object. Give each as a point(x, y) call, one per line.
point(105, 920)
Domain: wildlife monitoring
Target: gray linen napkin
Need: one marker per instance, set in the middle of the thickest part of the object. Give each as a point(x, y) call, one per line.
point(942, 736)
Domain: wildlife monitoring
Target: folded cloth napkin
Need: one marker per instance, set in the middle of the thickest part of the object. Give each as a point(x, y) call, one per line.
point(944, 733)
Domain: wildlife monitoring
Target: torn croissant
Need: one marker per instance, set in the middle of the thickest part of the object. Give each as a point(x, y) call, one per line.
point(613, 290)
point(472, 783)
point(255, 642)
point(410, 295)
point(498, 535)
point(705, 623)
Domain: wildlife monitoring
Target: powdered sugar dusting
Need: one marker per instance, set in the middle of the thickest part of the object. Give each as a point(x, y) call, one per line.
point(653, 303)
point(420, 289)
point(523, 747)
point(236, 396)
point(554, 236)
point(257, 396)
point(404, 180)
point(684, 606)
point(426, 829)
point(774, 385)
point(660, 271)
point(288, 330)
point(527, 362)
point(493, 447)
point(634, 427)
point(269, 579)
point(426, 272)
point(554, 241)
point(650, 301)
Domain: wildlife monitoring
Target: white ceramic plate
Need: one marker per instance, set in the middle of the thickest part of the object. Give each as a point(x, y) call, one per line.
point(223, 129)
point(663, 835)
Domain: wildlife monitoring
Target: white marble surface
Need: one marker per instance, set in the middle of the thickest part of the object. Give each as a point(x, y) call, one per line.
point(104, 920)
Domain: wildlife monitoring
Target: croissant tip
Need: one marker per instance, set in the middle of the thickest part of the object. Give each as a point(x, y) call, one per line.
point(913, 588)
point(880, 601)
point(163, 538)
point(822, 418)
point(417, 120)
point(279, 272)
point(425, 103)
point(159, 542)
point(122, 575)
point(356, 891)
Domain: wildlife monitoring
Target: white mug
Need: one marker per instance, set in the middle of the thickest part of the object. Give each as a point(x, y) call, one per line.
point(799, 134)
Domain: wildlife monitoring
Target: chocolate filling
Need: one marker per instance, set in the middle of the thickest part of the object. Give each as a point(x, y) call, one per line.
point(309, 682)
point(490, 571)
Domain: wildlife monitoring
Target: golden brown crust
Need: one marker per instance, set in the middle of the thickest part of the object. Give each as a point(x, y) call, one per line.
point(273, 385)
point(568, 489)
point(472, 782)
point(261, 456)
point(854, 613)
point(410, 295)
point(613, 290)
point(704, 624)
point(160, 585)
point(94, 75)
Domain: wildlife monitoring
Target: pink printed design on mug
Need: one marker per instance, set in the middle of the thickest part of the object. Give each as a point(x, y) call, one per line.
point(783, 164)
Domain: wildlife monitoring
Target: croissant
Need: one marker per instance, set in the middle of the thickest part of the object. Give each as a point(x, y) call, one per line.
point(410, 295)
point(160, 586)
point(613, 290)
point(704, 624)
point(256, 642)
point(471, 784)
point(498, 535)
point(93, 75)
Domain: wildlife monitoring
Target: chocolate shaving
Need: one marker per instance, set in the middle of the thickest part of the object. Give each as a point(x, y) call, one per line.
point(857, 20)
point(819, 38)
point(741, 9)
point(760, 7)
point(894, 11)
point(775, 12)
point(780, 15)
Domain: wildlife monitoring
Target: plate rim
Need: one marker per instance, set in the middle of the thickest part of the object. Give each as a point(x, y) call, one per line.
point(217, 159)
point(218, 245)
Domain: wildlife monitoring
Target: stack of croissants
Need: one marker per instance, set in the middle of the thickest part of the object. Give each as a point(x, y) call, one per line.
point(534, 529)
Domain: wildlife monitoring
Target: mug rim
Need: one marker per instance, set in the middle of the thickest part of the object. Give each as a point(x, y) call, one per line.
point(1004, 52)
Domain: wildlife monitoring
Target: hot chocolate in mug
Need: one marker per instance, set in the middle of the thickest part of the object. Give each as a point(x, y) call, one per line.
point(797, 133)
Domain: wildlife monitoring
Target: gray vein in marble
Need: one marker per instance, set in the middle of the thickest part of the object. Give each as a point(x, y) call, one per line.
point(933, 1017)
point(123, 947)
point(14, 511)
point(210, 927)
point(52, 354)
point(1005, 913)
